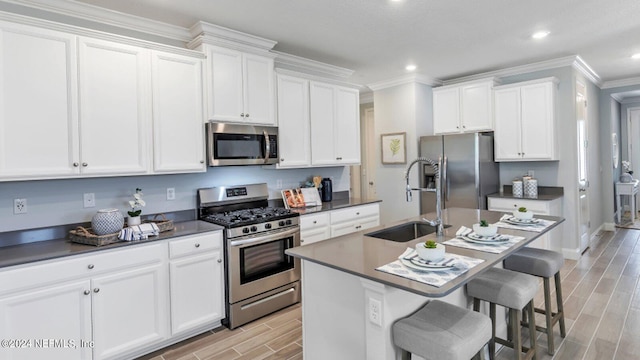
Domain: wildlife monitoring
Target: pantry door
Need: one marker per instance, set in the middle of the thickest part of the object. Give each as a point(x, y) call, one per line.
point(583, 171)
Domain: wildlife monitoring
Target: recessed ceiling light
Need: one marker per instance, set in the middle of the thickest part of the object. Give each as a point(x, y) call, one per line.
point(410, 67)
point(635, 56)
point(540, 34)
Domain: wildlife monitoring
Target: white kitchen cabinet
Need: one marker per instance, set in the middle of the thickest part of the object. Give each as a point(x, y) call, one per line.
point(335, 125)
point(355, 218)
point(525, 125)
point(114, 90)
point(466, 107)
point(538, 207)
point(294, 136)
point(196, 272)
point(240, 86)
point(130, 310)
point(178, 130)
point(38, 103)
point(315, 227)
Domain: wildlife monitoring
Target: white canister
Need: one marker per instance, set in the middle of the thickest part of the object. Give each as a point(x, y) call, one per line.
point(107, 221)
point(517, 188)
point(531, 188)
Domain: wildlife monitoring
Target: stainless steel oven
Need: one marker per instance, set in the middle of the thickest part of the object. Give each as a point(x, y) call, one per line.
point(235, 144)
point(260, 277)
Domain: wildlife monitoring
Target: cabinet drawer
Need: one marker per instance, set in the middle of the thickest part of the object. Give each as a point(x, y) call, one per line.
point(353, 213)
point(313, 221)
point(195, 244)
point(354, 226)
point(314, 235)
point(509, 205)
point(30, 275)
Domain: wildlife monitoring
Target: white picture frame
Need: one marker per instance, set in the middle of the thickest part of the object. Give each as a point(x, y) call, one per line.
point(394, 148)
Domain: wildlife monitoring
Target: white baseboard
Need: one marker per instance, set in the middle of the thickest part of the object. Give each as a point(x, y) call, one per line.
point(571, 254)
point(608, 227)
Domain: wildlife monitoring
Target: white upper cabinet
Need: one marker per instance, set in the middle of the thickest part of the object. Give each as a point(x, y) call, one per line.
point(335, 125)
point(178, 130)
point(525, 121)
point(294, 137)
point(38, 103)
point(240, 86)
point(114, 107)
point(466, 107)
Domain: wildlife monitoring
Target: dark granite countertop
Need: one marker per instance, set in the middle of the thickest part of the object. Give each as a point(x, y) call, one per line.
point(360, 255)
point(57, 248)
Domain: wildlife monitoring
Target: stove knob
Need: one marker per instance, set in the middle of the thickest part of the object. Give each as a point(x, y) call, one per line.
point(254, 228)
point(288, 222)
point(281, 223)
point(245, 230)
point(267, 226)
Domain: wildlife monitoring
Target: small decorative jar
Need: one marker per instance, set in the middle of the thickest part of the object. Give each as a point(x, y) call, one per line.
point(133, 220)
point(626, 178)
point(430, 254)
point(107, 221)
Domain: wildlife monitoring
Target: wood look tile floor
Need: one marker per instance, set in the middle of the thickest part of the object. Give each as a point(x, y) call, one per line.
point(602, 313)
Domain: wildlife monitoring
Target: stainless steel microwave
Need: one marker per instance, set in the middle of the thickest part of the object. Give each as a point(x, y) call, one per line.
point(236, 144)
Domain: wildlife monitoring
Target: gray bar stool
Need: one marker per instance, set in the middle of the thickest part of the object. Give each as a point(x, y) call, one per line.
point(442, 331)
point(544, 264)
point(514, 291)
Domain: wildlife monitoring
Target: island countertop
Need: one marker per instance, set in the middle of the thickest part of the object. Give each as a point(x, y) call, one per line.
point(360, 255)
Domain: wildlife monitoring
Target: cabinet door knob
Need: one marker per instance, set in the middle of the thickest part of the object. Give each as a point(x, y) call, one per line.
point(96, 290)
point(457, 127)
point(75, 164)
point(85, 164)
point(247, 115)
point(464, 126)
point(197, 245)
point(87, 292)
point(242, 115)
point(315, 221)
point(219, 260)
point(90, 266)
point(301, 241)
point(201, 161)
point(281, 159)
point(358, 213)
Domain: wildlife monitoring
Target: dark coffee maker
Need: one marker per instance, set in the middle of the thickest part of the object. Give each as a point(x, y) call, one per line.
point(326, 192)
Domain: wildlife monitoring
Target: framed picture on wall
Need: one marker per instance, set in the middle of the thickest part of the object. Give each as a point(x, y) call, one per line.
point(394, 148)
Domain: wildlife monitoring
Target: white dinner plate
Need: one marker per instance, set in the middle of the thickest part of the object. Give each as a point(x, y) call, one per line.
point(484, 242)
point(424, 267)
point(516, 221)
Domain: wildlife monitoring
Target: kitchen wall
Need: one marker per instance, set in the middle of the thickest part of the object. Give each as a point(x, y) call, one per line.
point(402, 108)
point(56, 202)
point(624, 126)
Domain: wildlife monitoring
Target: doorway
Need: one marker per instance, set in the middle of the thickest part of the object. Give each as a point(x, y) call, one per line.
point(584, 222)
point(633, 141)
point(364, 185)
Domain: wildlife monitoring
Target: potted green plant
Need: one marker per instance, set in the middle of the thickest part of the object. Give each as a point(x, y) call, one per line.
point(136, 208)
point(485, 229)
point(522, 213)
point(430, 250)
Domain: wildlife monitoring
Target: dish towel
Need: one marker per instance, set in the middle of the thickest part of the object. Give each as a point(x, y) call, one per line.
point(505, 242)
point(139, 232)
point(433, 278)
point(537, 227)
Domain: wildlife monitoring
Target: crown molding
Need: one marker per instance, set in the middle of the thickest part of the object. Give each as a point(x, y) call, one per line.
point(574, 61)
point(304, 65)
point(617, 97)
point(620, 83)
point(109, 17)
point(630, 99)
point(320, 78)
point(366, 97)
point(407, 79)
point(206, 33)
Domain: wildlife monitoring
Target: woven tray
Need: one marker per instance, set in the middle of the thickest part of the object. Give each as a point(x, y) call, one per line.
point(88, 237)
point(161, 222)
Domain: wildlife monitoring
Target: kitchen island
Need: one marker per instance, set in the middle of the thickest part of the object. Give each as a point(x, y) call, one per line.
point(349, 306)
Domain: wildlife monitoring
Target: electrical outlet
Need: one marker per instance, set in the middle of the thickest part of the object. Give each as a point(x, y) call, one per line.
point(89, 200)
point(375, 311)
point(19, 206)
point(171, 193)
point(530, 173)
point(279, 184)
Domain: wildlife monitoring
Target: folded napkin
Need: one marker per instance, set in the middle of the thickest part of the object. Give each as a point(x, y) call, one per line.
point(464, 232)
point(538, 226)
point(139, 232)
point(412, 254)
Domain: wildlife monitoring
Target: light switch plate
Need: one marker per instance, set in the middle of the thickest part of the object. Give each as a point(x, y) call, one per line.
point(89, 200)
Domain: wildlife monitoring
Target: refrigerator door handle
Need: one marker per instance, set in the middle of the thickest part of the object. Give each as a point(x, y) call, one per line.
point(445, 178)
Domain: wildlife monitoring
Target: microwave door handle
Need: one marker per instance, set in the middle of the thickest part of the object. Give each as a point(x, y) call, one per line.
point(267, 146)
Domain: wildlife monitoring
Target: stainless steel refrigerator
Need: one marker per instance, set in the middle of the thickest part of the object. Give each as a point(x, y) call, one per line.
point(468, 175)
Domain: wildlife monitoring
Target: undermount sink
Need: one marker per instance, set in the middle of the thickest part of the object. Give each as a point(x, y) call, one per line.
point(405, 232)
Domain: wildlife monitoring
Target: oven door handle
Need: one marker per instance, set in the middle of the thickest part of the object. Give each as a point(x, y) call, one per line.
point(265, 238)
point(267, 146)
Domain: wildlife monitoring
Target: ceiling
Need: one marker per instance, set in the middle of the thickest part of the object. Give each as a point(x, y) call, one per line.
point(445, 39)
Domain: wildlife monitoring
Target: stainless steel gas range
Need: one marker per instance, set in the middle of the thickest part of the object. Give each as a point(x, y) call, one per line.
point(260, 277)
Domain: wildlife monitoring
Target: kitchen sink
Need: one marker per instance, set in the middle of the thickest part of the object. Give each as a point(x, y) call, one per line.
point(405, 232)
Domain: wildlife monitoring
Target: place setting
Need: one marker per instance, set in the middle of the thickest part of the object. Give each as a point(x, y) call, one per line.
point(483, 237)
point(522, 219)
point(429, 263)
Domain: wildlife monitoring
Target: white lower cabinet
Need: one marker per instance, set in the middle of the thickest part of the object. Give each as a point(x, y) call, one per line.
point(196, 300)
point(538, 207)
point(355, 218)
point(314, 228)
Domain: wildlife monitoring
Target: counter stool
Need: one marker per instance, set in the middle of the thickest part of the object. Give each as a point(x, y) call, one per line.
point(544, 264)
point(514, 291)
point(442, 331)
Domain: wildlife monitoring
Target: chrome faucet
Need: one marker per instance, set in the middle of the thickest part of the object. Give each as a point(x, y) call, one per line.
point(438, 220)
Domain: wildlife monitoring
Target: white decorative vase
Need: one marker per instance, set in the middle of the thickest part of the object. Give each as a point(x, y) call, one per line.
point(428, 254)
point(133, 220)
point(107, 221)
point(485, 230)
point(523, 215)
point(626, 178)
